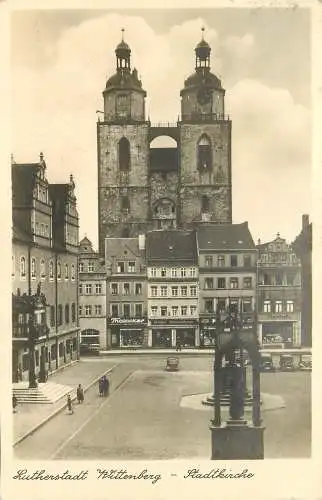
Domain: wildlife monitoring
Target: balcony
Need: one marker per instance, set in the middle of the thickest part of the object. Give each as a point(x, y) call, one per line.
point(22, 332)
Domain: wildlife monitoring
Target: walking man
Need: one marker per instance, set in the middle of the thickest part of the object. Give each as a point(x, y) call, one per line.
point(80, 394)
point(14, 403)
point(101, 386)
point(69, 405)
point(106, 386)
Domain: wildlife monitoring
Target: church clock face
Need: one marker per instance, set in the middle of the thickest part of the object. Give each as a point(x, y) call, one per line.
point(204, 95)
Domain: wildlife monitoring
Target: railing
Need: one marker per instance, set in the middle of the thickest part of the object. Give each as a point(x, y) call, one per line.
point(163, 125)
point(209, 117)
point(22, 331)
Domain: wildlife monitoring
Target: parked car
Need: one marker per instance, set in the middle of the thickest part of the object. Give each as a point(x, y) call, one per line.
point(286, 362)
point(266, 363)
point(172, 364)
point(306, 362)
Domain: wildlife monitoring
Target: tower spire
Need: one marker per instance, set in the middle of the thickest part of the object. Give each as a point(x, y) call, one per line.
point(203, 52)
point(123, 54)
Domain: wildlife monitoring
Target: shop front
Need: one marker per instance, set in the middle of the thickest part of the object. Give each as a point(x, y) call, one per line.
point(128, 332)
point(168, 334)
point(207, 332)
point(277, 333)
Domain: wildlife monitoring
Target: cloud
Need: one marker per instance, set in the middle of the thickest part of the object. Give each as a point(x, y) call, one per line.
point(54, 105)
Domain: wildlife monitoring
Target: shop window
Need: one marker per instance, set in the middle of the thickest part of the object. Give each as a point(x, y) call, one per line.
point(247, 260)
point(184, 310)
point(290, 306)
point(131, 338)
point(124, 154)
point(221, 283)
point(98, 310)
point(125, 204)
point(33, 268)
point(73, 274)
point(114, 288)
point(81, 267)
point(175, 310)
point(193, 291)
point(22, 267)
point(138, 288)
point(221, 305)
point(67, 314)
point(247, 282)
point(138, 310)
point(209, 306)
point(164, 311)
point(52, 315)
point(204, 156)
point(66, 272)
point(233, 283)
point(73, 312)
point(233, 261)
point(164, 291)
point(247, 305)
point(267, 306)
point(174, 291)
point(184, 291)
point(209, 283)
point(120, 267)
point(205, 204)
point(42, 268)
point(58, 270)
point(233, 305)
point(221, 261)
point(98, 288)
point(114, 310)
point(126, 310)
point(208, 260)
point(131, 267)
point(193, 310)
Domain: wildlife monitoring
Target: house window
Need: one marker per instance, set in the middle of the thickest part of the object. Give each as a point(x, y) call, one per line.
point(131, 267)
point(33, 268)
point(267, 306)
point(184, 291)
point(164, 291)
point(153, 272)
point(126, 310)
point(221, 261)
point(174, 310)
point(278, 306)
point(126, 289)
point(205, 204)
point(66, 271)
point(289, 306)
point(163, 272)
point(98, 310)
point(247, 305)
point(125, 204)
point(120, 267)
point(204, 160)
point(98, 288)
point(192, 272)
point(154, 310)
point(81, 267)
point(88, 310)
point(73, 272)
point(173, 272)
point(138, 288)
point(247, 282)
point(91, 267)
point(247, 260)
point(154, 291)
point(221, 305)
point(88, 289)
point(80, 289)
point(279, 279)
point(208, 260)
point(234, 283)
point(58, 270)
point(114, 310)
point(184, 310)
point(193, 310)
point(114, 290)
point(221, 283)
point(73, 312)
point(80, 310)
point(42, 268)
point(138, 310)
point(164, 311)
point(183, 272)
point(67, 313)
point(124, 154)
point(193, 291)
point(209, 283)
point(52, 315)
point(174, 291)
point(22, 267)
point(59, 314)
point(233, 260)
point(209, 306)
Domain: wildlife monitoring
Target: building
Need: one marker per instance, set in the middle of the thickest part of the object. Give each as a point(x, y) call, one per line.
point(92, 298)
point(142, 187)
point(279, 294)
point(303, 249)
point(227, 274)
point(172, 273)
point(126, 292)
point(44, 262)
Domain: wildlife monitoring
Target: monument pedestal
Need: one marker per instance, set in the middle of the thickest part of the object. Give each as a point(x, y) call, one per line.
point(237, 440)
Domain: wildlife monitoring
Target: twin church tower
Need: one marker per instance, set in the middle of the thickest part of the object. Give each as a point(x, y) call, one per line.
point(142, 187)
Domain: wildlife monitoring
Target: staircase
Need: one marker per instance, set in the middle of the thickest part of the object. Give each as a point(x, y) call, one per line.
point(47, 393)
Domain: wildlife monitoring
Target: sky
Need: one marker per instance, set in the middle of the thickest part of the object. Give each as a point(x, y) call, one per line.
point(61, 60)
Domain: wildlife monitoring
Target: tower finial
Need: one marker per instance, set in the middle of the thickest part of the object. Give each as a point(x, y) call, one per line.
point(122, 34)
point(202, 32)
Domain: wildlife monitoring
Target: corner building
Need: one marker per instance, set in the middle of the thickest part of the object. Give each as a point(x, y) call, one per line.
point(142, 188)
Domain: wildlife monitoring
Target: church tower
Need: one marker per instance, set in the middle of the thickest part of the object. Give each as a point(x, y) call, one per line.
point(123, 153)
point(205, 146)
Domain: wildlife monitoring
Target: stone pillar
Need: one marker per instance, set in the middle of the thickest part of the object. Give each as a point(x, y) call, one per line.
point(150, 337)
point(108, 338)
point(173, 337)
point(197, 337)
point(260, 333)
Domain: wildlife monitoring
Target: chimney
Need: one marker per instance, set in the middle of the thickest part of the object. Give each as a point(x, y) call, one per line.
point(305, 221)
point(141, 241)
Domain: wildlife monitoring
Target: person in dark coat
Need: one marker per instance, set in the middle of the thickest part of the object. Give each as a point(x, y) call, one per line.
point(80, 394)
point(69, 405)
point(106, 386)
point(101, 386)
point(14, 403)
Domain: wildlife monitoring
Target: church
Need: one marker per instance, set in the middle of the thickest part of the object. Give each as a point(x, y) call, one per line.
point(140, 187)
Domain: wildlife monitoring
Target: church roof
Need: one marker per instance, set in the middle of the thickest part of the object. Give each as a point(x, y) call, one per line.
point(171, 246)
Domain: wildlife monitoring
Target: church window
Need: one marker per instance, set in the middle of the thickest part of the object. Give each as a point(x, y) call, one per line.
point(204, 159)
point(205, 204)
point(125, 204)
point(124, 154)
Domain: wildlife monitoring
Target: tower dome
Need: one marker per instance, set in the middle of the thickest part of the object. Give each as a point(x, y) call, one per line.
point(203, 50)
point(123, 50)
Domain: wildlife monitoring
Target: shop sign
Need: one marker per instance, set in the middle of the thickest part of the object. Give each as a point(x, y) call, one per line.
point(127, 321)
point(174, 322)
point(281, 316)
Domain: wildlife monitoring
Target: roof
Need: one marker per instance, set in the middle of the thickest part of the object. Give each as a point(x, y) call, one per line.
point(171, 245)
point(225, 237)
point(125, 80)
point(200, 79)
point(121, 247)
point(23, 182)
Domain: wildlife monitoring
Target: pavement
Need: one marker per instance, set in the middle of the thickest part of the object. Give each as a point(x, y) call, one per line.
point(30, 417)
point(168, 352)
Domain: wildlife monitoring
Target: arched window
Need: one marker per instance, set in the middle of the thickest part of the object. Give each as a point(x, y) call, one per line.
point(22, 267)
point(205, 204)
point(66, 271)
point(59, 314)
point(42, 268)
point(51, 270)
point(67, 313)
point(204, 156)
point(33, 268)
point(125, 204)
point(58, 270)
point(124, 154)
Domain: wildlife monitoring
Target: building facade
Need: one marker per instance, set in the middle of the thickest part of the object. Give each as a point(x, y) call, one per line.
point(44, 260)
point(227, 273)
point(126, 292)
point(279, 294)
point(92, 298)
point(172, 281)
point(141, 187)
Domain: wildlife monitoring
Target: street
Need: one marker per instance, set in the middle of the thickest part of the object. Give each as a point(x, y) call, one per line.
point(142, 418)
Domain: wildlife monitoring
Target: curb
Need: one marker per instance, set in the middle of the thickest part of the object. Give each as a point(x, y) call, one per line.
point(62, 407)
point(103, 354)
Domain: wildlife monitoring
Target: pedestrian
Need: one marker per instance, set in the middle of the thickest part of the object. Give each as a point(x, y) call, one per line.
point(80, 394)
point(178, 345)
point(69, 405)
point(14, 403)
point(101, 386)
point(106, 386)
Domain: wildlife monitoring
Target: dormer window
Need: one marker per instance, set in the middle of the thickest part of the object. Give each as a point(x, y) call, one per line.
point(204, 159)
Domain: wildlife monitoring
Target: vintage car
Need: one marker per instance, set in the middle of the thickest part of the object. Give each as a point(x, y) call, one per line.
point(266, 363)
point(286, 362)
point(306, 362)
point(172, 364)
